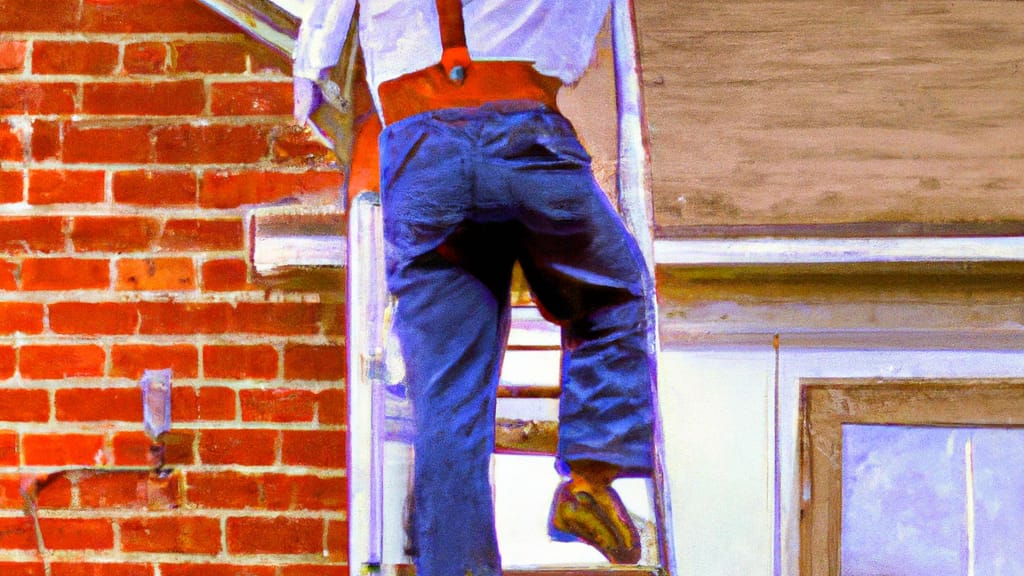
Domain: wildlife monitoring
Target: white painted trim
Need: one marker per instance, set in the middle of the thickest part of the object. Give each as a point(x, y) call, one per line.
point(297, 8)
point(262, 30)
point(752, 251)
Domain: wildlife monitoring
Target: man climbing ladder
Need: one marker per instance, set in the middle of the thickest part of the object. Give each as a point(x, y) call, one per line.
point(479, 171)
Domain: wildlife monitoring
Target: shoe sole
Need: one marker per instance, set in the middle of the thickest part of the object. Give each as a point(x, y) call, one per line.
point(575, 531)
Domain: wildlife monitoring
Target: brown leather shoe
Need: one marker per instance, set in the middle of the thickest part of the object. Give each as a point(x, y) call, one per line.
point(594, 514)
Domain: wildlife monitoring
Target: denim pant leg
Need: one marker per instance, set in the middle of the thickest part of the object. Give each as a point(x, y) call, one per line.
point(451, 320)
point(588, 275)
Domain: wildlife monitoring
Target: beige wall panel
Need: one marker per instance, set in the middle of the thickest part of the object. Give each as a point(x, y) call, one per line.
point(832, 112)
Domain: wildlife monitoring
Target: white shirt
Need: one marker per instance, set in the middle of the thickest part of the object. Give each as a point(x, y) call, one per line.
point(402, 36)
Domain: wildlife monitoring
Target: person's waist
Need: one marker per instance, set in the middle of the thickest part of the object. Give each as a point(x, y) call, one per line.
point(486, 81)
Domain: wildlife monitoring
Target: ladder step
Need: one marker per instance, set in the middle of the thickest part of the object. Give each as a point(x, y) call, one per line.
point(609, 570)
point(604, 571)
point(529, 391)
point(513, 436)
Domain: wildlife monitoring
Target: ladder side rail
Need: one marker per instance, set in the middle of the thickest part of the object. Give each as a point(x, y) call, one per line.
point(367, 301)
point(634, 163)
point(637, 208)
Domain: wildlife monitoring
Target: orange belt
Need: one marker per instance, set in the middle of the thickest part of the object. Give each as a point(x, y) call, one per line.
point(485, 81)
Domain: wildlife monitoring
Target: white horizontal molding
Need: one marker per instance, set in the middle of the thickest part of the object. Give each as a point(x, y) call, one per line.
point(760, 251)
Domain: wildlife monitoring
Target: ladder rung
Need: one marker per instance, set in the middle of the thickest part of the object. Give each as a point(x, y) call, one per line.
point(609, 570)
point(525, 436)
point(529, 391)
point(603, 571)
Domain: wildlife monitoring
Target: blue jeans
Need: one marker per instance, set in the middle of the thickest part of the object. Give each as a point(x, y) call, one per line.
point(466, 193)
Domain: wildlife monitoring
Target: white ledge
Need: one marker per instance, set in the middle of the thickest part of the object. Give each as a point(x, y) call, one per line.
point(755, 251)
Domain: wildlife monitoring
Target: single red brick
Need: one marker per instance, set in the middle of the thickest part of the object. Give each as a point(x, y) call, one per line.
point(185, 402)
point(145, 58)
point(135, 448)
point(99, 569)
point(46, 140)
point(225, 275)
point(24, 405)
point(113, 490)
point(11, 497)
point(211, 144)
point(8, 362)
point(93, 58)
point(65, 186)
point(240, 361)
point(332, 406)
point(65, 274)
point(323, 448)
point(12, 56)
point(31, 234)
point(280, 405)
point(337, 541)
point(218, 490)
point(17, 534)
point(299, 492)
point(106, 144)
point(238, 447)
point(31, 15)
point(43, 361)
point(233, 189)
point(211, 57)
point(22, 568)
point(216, 570)
point(61, 449)
point(12, 187)
point(285, 318)
point(156, 274)
point(139, 16)
point(172, 534)
point(8, 272)
point(77, 534)
point(93, 317)
point(194, 235)
point(24, 317)
point(216, 403)
point(132, 360)
point(179, 447)
point(132, 449)
point(172, 188)
point(11, 148)
point(184, 318)
point(36, 98)
point(307, 362)
point(314, 570)
point(251, 98)
point(8, 450)
point(113, 233)
point(280, 535)
point(170, 98)
point(98, 404)
point(53, 490)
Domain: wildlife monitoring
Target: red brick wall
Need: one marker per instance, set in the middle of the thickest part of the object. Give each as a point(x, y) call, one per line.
point(132, 134)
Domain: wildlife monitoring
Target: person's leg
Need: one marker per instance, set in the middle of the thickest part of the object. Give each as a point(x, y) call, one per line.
point(588, 276)
point(450, 325)
point(451, 321)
